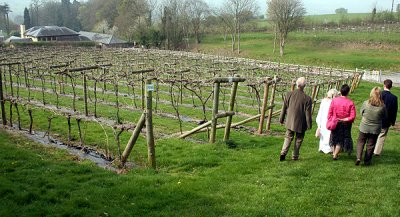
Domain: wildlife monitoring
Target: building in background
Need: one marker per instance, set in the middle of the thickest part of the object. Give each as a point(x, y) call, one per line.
point(51, 33)
point(104, 39)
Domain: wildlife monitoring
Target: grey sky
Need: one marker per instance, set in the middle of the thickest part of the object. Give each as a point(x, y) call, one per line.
point(329, 6)
point(312, 6)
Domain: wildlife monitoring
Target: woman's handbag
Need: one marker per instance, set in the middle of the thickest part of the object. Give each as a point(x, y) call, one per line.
point(332, 122)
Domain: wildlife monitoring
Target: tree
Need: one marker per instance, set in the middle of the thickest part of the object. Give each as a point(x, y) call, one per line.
point(27, 18)
point(34, 10)
point(131, 18)
point(89, 13)
point(373, 14)
point(239, 11)
point(197, 10)
point(4, 11)
point(398, 12)
point(341, 11)
point(286, 15)
point(392, 7)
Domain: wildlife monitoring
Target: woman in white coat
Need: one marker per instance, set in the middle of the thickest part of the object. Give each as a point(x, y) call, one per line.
point(322, 117)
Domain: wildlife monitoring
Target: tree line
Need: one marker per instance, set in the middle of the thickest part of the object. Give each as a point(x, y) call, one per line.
point(168, 24)
point(172, 24)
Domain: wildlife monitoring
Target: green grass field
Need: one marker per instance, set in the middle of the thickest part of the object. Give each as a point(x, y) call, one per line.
point(350, 50)
point(322, 19)
point(202, 180)
point(334, 18)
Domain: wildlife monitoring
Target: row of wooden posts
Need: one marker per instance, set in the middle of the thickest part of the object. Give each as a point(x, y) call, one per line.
point(270, 85)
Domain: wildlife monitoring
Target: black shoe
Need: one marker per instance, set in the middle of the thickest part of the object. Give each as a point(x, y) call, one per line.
point(334, 158)
point(358, 162)
point(282, 158)
point(377, 155)
point(295, 158)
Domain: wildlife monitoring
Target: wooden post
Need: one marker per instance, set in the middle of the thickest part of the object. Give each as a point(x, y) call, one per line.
point(11, 81)
point(329, 85)
point(272, 101)
point(353, 83)
point(215, 112)
point(3, 110)
point(133, 139)
point(293, 85)
point(337, 85)
point(264, 105)
point(184, 135)
point(359, 78)
point(231, 107)
point(181, 88)
point(85, 94)
point(149, 124)
point(314, 97)
point(143, 91)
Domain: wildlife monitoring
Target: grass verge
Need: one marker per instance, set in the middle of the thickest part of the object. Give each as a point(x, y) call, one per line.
point(244, 179)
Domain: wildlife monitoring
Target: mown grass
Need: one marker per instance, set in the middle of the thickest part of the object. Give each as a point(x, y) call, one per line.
point(335, 18)
point(202, 180)
point(322, 19)
point(350, 50)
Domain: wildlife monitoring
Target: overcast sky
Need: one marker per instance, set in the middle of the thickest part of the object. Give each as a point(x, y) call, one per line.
point(329, 6)
point(312, 6)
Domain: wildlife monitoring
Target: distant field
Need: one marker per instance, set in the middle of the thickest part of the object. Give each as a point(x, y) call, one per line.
point(323, 19)
point(334, 18)
point(348, 50)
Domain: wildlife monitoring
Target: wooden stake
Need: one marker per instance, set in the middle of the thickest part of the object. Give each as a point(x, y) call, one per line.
point(215, 112)
point(85, 94)
point(143, 91)
point(272, 101)
point(133, 139)
point(30, 120)
point(264, 105)
point(149, 125)
point(195, 130)
point(231, 107)
point(314, 97)
point(3, 110)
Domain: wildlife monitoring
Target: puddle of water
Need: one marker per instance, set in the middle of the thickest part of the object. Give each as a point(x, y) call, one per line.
point(82, 152)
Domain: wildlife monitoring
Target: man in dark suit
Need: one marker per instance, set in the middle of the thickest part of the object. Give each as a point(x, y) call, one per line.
point(391, 108)
point(297, 106)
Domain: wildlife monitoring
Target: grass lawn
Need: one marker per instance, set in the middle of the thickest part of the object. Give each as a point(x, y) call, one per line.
point(202, 180)
point(349, 50)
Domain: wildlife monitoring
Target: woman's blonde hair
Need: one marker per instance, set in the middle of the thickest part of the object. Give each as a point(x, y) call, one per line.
point(375, 97)
point(332, 93)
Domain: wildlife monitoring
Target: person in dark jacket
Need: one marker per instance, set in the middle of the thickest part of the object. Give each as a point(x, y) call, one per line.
point(390, 101)
point(297, 105)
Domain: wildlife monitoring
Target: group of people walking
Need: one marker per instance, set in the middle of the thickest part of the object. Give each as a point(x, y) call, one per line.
point(335, 119)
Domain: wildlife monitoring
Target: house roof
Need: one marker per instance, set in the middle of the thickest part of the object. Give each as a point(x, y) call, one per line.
point(17, 39)
point(102, 38)
point(43, 31)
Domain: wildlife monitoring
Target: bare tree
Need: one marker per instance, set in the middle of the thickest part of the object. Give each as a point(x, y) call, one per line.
point(392, 6)
point(4, 11)
point(197, 10)
point(238, 11)
point(131, 18)
point(286, 15)
point(151, 6)
point(34, 10)
point(229, 25)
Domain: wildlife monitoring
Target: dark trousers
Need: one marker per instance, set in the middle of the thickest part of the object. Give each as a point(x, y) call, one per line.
point(288, 140)
point(370, 140)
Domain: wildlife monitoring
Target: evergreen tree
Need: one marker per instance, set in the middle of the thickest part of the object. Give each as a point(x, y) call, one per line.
point(27, 19)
